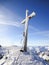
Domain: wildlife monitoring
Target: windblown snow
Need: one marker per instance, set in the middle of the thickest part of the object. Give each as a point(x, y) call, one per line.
point(12, 56)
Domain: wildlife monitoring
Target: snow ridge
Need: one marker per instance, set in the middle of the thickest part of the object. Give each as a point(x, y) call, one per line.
point(13, 56)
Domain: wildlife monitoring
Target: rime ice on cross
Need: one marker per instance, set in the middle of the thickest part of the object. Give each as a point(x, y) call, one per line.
point(25, 22)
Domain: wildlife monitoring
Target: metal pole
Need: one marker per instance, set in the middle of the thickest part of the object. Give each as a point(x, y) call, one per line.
point(26, 31)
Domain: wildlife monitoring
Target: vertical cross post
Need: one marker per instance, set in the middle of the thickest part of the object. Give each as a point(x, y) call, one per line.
point(26, 32)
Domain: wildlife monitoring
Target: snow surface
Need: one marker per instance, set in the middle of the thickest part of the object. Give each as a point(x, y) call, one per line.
point(13, 56)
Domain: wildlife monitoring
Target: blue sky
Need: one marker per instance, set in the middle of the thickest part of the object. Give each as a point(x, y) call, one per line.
point(12, 12)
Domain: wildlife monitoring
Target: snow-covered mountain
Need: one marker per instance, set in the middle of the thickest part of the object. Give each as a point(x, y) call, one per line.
point(12, 56)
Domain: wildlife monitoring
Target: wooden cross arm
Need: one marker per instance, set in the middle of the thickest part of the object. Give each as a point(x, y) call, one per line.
point(30, 16)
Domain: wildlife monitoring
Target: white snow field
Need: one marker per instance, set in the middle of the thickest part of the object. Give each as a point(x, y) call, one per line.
point(13, 56)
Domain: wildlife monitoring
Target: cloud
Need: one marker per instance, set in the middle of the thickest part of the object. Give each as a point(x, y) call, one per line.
point(46, 33)
point(7, 17)
point(1, 16)
point(5, 42)
point(3, 29)
point(38, 43)
point(33, 28)
point(38, 32)
point(10, 23)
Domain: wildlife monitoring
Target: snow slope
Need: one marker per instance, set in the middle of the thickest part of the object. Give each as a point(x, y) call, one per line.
point(13, 56)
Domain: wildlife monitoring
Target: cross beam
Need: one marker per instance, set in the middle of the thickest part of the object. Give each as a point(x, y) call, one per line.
point(30, 16)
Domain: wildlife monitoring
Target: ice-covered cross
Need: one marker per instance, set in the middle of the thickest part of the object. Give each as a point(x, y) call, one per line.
point(25, 22)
